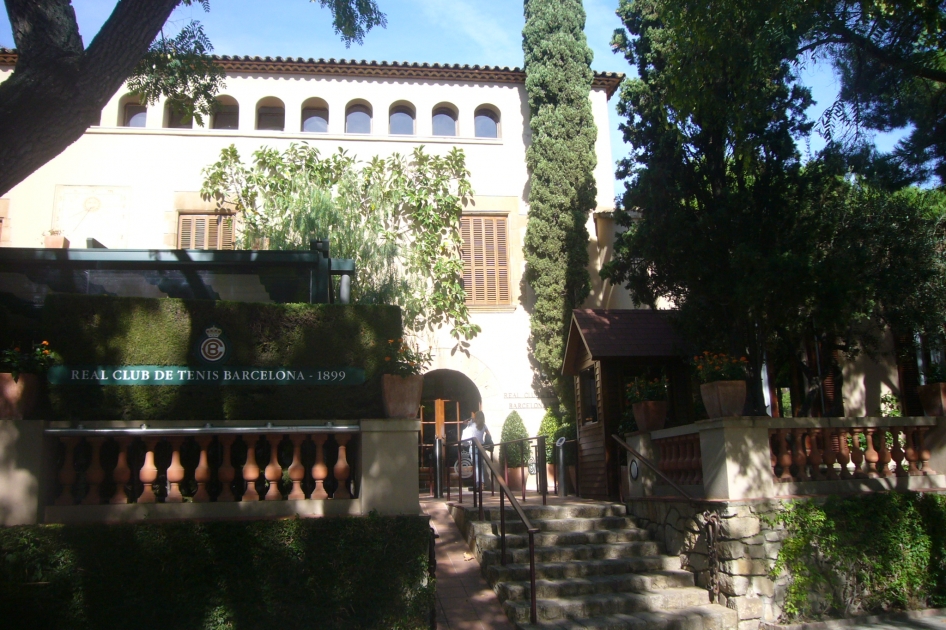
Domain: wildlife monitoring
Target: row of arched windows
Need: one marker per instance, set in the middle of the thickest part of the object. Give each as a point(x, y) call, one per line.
point(359, 117)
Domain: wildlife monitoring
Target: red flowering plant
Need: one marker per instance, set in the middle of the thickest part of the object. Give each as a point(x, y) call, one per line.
point(404, 360)
point(720, 366)
point(644, 389)
point(34, 361)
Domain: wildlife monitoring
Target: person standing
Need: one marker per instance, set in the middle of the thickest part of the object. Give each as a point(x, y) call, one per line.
point(477, 428)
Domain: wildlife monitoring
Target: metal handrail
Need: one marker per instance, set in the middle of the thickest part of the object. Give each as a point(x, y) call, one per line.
point(711, 522)
point(530, 528)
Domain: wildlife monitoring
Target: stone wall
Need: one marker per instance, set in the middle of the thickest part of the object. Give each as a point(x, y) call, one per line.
point(747, 549)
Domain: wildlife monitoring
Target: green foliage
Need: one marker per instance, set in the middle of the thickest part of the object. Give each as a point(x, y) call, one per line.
point(34, 361)
point(936, 373)
point(293, 573)
point(863, 553)
point(513, 429)
point(561, 160)
point(549, 425)
point(397, 218)
point(890, 406)
point(641, 389)
point(99, 330)
point(712, 367)
point(403, 360)
point(760, 253)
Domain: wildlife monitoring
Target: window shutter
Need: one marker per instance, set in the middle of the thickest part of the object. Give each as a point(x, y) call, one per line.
point(205, 231)
point(185, 235)
point(226, 240)
point(485, 260)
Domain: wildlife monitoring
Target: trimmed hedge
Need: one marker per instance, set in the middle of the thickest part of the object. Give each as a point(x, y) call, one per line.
point(99, 330)
point(327, 573)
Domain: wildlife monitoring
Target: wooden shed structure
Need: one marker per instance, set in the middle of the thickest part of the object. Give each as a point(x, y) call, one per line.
point(604, 351)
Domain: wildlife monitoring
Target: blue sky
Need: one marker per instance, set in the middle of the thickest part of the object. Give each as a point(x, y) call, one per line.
point(485, 32)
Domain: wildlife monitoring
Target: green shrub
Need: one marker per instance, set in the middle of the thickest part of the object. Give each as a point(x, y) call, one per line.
point(548, 427)
point(100, 330)
point(293, 573)
point(864, 553)
point(513, 429)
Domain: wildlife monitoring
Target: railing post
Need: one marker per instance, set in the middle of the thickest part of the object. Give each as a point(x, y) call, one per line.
point(532, 605)
point(473, 455)
point(502, 526)
point(438, 468)
point(543, 471)
point(560, 468)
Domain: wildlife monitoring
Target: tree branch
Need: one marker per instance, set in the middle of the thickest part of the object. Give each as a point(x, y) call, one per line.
point(864, 44)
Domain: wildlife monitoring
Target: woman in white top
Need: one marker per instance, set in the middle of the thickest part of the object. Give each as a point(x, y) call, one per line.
point(477, 428)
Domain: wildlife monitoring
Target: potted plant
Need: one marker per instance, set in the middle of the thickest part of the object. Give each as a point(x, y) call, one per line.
point(648, 400)
point(723, 383)
point(548, 427)
point(403, 382)
point(515, 456)
point(55, 240)
point(19, 378)
point(933, 394)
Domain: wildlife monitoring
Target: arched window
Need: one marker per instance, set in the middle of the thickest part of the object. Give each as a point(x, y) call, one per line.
point(175, 118)
point(444, 121)
point(358, 119)
point(270, 114)
point(486, 123)
point(227, 115)
point(133, 113)
point(401, 121)
point(315, 116)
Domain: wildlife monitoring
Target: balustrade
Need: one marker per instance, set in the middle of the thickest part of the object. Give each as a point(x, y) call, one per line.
point(90, 457)
point(819, 453)
point(680, 458)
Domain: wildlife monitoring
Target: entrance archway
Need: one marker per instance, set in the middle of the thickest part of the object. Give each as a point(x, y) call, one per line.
point(449, 399)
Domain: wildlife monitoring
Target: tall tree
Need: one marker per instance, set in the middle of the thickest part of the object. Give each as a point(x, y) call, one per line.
point(561, 160)
point(58, 87)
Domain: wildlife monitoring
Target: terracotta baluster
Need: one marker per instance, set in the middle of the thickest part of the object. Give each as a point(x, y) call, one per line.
point(226, 473)
point(691, 460)
point(924, 451)
point(698, 464)
point(785, 456)
point(273, 470)
point(883, 453)
point(815, 457)
point(342, 470)
point(149, 472)
point(773, 451)
point(202, 471)
point(897, 452)
point(799, 457)
point(830, 455)
point(251, 470)
point(67, 474)
point(296, 469)
point(913, 457)
point(661, 456)
point(175, 472)
point(870, 455)
point(857, 454)
point(94, 474)
point(844, 453)
point(675, 460)
point(319, 469)
point(122, 473)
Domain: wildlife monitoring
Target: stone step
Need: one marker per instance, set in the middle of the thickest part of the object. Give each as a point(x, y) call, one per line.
point(547, 512)
point(596, 584)
point(497, 573)
point(575, 552)
point(706, 617)
point(515, 526)
point(600, 605)
point(560, 539)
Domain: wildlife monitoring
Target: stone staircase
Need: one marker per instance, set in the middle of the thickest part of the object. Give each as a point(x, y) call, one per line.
point(594, 569)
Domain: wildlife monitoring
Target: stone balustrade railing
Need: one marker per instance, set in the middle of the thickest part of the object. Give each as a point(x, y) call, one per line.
point(119, 466)
point(758, 457)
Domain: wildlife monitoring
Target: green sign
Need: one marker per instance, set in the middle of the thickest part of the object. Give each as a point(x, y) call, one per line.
point(189, 375)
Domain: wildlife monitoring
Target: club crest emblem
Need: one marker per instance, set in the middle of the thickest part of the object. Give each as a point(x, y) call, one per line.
point(212, 347)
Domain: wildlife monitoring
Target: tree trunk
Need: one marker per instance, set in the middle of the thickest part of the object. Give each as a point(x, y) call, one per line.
point(57, 89)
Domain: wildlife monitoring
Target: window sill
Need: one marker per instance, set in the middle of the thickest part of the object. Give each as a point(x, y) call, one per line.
point(492, 308)
point(291, 135)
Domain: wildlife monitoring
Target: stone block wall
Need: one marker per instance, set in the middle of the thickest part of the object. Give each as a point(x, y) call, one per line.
point(747, 549)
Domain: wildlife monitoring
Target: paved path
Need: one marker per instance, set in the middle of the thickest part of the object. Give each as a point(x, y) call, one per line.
point(464, 599)
point(917, 620)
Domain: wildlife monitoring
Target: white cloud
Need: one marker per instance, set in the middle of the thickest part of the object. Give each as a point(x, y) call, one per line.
point(492, 41)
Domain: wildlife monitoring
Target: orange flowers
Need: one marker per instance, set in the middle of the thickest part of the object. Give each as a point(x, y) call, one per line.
point(720, 367)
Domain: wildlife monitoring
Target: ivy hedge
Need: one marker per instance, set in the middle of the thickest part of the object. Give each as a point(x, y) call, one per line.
point(101, 330)
point(863, 554)
point(328, 573)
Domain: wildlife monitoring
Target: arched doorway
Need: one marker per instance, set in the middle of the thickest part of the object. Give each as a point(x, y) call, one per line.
point(450, 398)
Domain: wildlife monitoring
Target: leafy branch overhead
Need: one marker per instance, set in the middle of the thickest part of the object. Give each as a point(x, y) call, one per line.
point(59, 87)
point(398, 218)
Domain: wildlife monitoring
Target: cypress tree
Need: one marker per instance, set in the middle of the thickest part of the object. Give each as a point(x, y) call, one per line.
point(561, 161)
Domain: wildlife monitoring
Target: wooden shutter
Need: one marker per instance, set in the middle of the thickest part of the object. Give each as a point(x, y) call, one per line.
point(485, 260)
point(205, 231)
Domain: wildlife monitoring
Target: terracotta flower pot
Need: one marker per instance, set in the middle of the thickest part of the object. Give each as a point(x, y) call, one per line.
point(17, 399)
point(723, 399)
point(401, 395)
point(650, 415)
point(933, 398)
point(514, 480)
point(55, 241)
